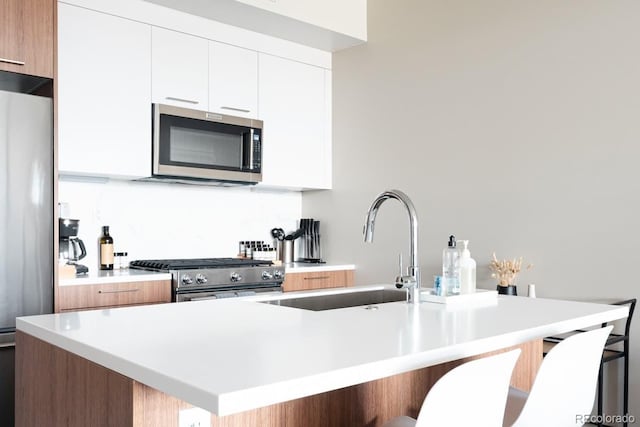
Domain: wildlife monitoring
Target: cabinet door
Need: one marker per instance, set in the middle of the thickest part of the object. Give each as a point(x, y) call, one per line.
point(233, 80)
point(296, 138)
point(180, 70)
point(104, 80)
point(26, 36)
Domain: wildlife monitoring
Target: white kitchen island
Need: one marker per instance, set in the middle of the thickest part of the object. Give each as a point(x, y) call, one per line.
point(250, 363)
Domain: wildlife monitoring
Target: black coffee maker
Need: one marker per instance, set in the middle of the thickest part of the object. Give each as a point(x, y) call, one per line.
point(71, 248)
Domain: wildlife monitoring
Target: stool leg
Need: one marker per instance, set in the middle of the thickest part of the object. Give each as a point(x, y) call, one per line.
point(600, 392)
point(626, 381)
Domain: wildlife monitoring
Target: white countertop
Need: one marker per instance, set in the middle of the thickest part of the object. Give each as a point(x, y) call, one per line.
point(301, 267)
point(133, 275)
point(114, 276)
point(233, 355)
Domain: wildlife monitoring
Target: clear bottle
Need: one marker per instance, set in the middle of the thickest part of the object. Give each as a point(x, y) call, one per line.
point(117, 260)
point(467, 270)
point(106, 249)
point(451, 268)
point(124, 260)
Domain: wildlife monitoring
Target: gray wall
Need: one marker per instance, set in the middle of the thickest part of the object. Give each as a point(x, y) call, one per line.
point(513, 124)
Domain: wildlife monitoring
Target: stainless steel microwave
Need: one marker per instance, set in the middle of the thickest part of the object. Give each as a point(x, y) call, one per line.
point(202, 147)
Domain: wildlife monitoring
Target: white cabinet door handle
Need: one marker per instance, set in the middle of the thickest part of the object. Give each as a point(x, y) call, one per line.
point(188, 101)
point(242, 110)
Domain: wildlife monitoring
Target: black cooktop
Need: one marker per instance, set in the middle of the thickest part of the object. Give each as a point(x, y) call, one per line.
point(196, 263)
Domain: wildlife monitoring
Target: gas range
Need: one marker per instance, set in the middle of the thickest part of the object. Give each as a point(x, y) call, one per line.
point(214, 278)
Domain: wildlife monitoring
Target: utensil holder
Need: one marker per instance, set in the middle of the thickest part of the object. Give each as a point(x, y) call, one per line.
point(280, 250)
point(288, 251)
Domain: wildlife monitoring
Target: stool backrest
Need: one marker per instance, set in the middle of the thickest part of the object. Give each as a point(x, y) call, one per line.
point(632, 306)
point(472, 394)
point(565, 386)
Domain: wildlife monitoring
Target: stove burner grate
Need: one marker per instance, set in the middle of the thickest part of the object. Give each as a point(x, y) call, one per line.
point(197, 263)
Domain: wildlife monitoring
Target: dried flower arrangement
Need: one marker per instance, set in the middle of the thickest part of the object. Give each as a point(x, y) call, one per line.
point(506, 270)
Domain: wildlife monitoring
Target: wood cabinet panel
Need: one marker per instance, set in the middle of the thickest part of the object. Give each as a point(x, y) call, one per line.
point(57, 388)
point(114, 294)
point(317, 280)
point(27, 36)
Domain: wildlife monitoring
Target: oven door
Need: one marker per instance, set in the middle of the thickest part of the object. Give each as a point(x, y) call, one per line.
point(182, 296)
point(200, 145)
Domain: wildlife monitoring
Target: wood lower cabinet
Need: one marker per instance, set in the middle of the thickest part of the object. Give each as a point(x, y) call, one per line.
point(84, 297)
point(27, 36)
point(317, 280)
point(57, 388)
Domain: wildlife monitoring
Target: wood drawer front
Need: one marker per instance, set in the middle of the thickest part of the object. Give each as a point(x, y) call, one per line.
point(114, 294)
point(317, 280)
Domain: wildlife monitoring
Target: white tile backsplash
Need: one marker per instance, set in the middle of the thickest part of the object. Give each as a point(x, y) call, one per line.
point(158, 220)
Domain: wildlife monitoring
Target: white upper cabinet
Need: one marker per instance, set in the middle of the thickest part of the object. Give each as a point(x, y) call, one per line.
point(180, 69)
point(112, 68)
point(294, 103)
point(233, 80)
point(104, 95)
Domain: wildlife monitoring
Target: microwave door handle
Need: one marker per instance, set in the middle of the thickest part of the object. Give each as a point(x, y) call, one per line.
point(251, 149)
point(247, 162)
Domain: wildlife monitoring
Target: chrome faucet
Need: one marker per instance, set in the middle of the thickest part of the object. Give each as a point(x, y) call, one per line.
point(410, 281)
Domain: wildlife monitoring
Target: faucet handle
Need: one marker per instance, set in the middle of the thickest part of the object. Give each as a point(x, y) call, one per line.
point(405, 281)
point(399, 278)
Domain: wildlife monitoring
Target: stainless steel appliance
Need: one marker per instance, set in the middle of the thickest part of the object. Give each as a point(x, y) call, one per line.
point(71, 249)
point(213, 278)
point(26, 224)
point(202, 147)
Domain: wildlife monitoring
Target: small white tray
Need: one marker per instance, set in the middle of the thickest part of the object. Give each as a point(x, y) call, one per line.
point(479, 295)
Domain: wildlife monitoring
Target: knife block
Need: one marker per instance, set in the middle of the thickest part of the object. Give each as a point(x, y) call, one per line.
point(310, 249)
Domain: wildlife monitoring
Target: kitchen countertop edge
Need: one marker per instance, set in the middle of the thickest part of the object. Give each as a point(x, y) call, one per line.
point(301, 267)
point(101, 277)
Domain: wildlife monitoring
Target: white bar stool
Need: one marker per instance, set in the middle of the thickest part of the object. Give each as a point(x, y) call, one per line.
point(565, 386)
point(472, 394)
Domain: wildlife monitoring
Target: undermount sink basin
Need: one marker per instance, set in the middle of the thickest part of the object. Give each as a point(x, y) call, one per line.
point(342, 300)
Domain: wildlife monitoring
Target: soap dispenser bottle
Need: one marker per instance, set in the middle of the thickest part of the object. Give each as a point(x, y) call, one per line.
point(451, 268)
point(467, 270)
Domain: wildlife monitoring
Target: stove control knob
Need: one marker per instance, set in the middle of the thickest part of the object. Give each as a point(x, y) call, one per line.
point(235, 277)
point(267, 275)
point(278, 274)
point(201, 279)
point(187, 280)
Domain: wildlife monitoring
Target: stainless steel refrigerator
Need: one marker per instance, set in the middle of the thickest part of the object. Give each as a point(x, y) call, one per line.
point(26, 224)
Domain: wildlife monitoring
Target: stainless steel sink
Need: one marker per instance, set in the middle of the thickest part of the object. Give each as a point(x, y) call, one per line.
point(342, 300)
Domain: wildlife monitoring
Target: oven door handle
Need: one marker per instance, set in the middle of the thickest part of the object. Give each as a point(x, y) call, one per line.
point(203, 298)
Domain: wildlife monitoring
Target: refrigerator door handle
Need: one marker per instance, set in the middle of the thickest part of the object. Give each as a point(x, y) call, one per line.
point(7, 344)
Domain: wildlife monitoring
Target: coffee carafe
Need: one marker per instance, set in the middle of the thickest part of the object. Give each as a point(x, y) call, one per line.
point(71, 248)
